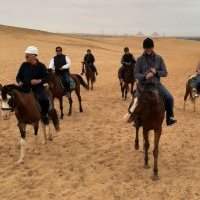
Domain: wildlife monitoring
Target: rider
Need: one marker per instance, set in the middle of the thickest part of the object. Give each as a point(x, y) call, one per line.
point(150, 67)
point(61, 64)
point(31, 76)
point(89, 61)
point(126, 60)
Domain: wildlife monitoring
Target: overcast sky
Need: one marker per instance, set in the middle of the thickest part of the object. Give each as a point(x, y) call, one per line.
point(172, 17)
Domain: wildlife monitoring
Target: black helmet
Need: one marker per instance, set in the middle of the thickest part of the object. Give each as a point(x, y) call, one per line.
point(148, 43)
point(126, 49)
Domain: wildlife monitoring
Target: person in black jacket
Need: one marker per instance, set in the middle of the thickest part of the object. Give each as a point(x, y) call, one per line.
point(89, 61)
point(127, 60)
point(61, 65)
point(31, 76)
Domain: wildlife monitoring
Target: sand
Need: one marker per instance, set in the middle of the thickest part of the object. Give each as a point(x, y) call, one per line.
point(93, 157)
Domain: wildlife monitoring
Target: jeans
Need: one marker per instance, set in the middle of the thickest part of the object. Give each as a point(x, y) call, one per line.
point(168, 99)
point(195, 82)
point(66, 81)
point(43, 100)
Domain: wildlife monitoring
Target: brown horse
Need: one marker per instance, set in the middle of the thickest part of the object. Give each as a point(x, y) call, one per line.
point(90, 75)
point(189, 92)
point(58, 91)
point(128, 79)
point(27, 111)
point(148, 114)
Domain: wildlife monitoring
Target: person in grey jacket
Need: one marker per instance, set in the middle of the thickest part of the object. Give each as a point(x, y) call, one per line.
point(150, 67)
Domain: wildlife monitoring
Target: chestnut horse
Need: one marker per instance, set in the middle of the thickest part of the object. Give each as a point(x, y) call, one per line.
point(27, 111)
point(149, 112)
point(57, 89)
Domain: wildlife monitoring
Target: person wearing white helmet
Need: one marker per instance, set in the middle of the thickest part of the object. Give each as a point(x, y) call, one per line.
point(31, 76)
point(61, 65)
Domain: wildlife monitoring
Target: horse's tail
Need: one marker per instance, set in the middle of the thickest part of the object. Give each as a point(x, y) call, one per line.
point(54, 116)
point(82, 82)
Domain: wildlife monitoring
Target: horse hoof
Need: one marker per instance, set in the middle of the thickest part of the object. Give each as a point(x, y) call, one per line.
point(155, 178)
point(147, 167)
point(136, 147)
point(81, 111)
point(21, 161)
point(50, 138)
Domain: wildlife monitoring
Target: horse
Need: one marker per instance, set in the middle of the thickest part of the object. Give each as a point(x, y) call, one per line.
point(27, 111)
point(189, 92)
point(90, 75)
point(57, 89)
point(126, 79)
point(149, 114)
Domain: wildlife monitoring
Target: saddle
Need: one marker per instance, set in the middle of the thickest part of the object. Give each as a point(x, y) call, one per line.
point(72, 82)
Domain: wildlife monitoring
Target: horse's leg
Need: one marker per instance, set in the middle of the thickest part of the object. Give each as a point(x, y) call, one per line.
point(194, 105)
point(126, 90)
point(79, 99)
point(187, 92)
point(157, 135)
point(146, 148)
point(44, 133)
point(132, 84)
point(92, 84)
point(36, 127)
point(70, 105)
point(61, 107)
point(137, 139)
point(22, 128)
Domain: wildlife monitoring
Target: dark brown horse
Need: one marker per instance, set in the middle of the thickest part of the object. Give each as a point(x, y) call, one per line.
point(58, 91)
point(90, 75)
point(148, 114)
point(126, 80)
point(27, 111)
point(189, 92)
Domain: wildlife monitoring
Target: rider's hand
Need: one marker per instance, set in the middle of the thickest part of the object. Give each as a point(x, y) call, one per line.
point(20, 84)
point(153, 70)
point(149, 75)
point(36, 81)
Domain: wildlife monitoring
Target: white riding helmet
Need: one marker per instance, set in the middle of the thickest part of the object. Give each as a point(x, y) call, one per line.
point(32, 50)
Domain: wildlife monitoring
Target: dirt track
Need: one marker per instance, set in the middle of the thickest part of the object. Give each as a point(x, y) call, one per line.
point(93, 156)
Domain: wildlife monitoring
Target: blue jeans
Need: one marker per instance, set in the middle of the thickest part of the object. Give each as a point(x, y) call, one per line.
point(43, 100)
point(195, 82)
point(168, 99)
point(66, 81)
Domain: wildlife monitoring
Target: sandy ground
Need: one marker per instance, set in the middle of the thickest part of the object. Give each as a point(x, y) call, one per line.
point(93, 156)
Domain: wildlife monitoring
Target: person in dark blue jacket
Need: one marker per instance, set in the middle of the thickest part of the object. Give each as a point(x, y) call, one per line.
point(31, 77)
point(150, 67)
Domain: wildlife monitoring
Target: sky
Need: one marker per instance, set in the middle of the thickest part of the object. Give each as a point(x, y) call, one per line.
point(171, 17)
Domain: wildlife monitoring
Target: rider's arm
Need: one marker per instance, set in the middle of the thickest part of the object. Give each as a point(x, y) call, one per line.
point(21, 79)
point(51, 64)
point(68, 61)
point(44, 74)
point(137, 71)
point(162, 71)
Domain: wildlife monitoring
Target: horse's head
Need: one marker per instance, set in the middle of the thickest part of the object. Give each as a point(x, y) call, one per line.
point(7, 101)
point(149, 94)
